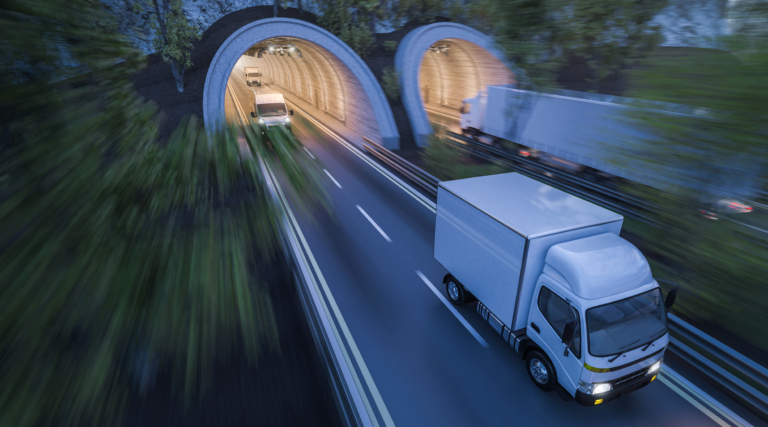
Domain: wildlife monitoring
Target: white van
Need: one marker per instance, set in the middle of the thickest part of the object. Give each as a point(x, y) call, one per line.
point(270, 111)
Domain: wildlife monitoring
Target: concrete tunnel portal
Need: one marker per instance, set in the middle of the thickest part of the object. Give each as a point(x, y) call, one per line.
point(313, 69)
point(440, 65)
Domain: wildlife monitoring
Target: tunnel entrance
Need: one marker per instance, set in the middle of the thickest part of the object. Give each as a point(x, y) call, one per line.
point(313, 69)
point(440, 65)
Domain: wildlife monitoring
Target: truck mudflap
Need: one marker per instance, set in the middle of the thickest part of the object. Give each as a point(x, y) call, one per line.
point(513, 338)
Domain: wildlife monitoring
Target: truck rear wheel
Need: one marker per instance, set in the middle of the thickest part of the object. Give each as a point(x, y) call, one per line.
point(541, 371)
point(456, 293)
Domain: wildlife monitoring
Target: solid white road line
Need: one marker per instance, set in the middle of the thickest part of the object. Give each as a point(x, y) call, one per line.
point(332, 179)
point(453, 310)
point(336, 312)
point(693, 402)
point(310, 154)
point(704, 397)
point(373, 223)
point(397, 181)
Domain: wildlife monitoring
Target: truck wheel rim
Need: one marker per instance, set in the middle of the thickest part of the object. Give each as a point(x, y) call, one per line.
point(539, 371)
point(453, 291)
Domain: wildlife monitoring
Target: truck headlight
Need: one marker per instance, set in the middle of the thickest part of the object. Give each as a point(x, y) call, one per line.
point(589, 388)
point(655, 367)
point(287, 120)
point(261, 121)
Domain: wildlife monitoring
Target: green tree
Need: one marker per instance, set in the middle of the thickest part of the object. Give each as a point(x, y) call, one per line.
point(390, 82)
point(610, 33)
point(527, 31)
point(539, 35)
point(351, 22)
point(175, 36)
point(418, 9)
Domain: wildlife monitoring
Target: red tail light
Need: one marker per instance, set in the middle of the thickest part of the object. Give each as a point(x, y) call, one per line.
point(525, 153)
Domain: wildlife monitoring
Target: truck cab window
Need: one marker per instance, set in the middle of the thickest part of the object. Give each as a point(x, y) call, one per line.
point(558, 312)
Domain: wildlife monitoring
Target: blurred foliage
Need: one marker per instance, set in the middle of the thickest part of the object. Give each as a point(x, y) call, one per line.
point(176, 36)
point(390, 46)
point(426, 10)
point(540, 35)
point(359, 37)
point(527, 31)
point(120, 255)
point(353, 21)
point(712, 149)
point(447, 162)
point(390, 82)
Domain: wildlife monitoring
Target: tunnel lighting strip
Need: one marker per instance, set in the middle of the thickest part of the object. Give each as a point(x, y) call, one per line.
point(295, 231)
point(397, 181)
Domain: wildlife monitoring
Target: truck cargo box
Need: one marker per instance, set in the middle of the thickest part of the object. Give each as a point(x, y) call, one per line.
point(493, 233)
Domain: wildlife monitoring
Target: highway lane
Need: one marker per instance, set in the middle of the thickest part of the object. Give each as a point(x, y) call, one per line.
point(429, 368)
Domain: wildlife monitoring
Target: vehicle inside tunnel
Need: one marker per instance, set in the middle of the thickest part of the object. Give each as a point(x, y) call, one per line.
point(453, 70)
point(308, 78)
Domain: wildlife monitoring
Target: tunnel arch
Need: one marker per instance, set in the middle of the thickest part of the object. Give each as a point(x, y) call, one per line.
point(371, 117)
point(474, 51)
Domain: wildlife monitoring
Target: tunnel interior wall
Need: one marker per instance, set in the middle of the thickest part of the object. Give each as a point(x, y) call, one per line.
point(320, 79)
point(445, 79)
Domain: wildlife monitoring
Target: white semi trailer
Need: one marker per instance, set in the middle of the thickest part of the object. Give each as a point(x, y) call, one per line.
point(573, 131)
point(555, 280)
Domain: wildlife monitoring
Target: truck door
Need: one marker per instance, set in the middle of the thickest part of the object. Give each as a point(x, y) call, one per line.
point(550, 314)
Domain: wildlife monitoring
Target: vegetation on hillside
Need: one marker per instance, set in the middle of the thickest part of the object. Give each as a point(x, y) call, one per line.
point(120, 255)
point(539, 36)
point(717, 151)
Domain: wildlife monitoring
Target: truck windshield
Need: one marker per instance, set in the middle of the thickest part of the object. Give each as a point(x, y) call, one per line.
point(271, 110)
point(627, 324)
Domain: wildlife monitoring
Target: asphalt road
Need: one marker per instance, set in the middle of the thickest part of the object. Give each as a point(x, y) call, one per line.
point(430, 369)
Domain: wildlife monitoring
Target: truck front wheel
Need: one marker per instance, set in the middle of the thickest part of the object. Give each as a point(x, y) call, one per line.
point(456, 293)
point(541, 371)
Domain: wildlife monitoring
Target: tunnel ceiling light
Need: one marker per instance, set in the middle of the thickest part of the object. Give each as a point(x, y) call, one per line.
point(439, 48)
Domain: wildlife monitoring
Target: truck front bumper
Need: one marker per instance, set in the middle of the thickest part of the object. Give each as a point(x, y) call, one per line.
point(623, 389)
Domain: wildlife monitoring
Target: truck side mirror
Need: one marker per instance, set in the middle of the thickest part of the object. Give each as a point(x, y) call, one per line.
point(291, 112)
point(253, 114)
point(670, 300)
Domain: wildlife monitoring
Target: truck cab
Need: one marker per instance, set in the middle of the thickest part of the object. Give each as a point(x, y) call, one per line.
point(270, 111)
point(602, 286)
point(472, 114)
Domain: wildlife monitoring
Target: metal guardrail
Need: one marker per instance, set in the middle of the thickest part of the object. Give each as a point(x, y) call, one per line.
point(718, 361)
point(727, 370)
point(408, 169)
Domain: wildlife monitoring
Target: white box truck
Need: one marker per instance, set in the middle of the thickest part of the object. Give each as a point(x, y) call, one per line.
point(252, 76)
point(552, 276)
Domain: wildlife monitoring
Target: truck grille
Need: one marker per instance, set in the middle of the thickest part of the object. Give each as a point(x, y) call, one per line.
point(629, 377)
